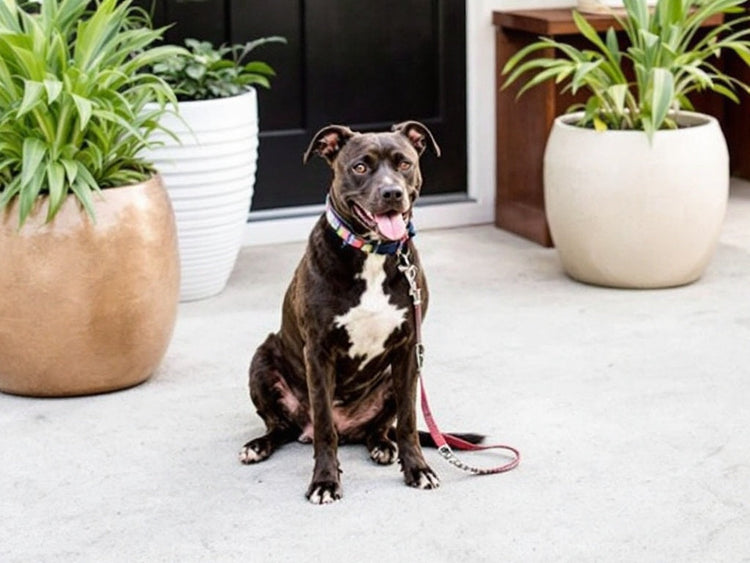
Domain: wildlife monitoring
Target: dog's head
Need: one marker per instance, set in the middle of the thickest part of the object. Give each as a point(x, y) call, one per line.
point(376, 176)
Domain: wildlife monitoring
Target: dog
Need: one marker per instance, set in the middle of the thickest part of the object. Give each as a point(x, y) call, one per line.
point(343, 367)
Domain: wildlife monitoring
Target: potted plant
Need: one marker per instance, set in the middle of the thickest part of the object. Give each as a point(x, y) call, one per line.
point(209, 165)
point(635, 186)
point(90, 271)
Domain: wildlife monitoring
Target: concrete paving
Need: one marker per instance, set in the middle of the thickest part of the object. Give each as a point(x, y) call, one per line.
point(630, 409)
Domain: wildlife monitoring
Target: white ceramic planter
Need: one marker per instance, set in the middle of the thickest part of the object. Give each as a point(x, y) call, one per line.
point(604, 6)
point(626, 213)
point(210, 179)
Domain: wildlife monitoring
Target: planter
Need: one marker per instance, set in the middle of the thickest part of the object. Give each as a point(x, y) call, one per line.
point(606, 7)
point(626, 213)
point(87, 307)
point(210, 177)
point(600, 6)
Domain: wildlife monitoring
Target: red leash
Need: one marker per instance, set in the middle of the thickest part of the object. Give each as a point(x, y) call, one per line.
point(445, 441)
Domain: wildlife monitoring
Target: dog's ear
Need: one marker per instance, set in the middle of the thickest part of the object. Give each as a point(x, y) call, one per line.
point(418, 135)
point(328, 142)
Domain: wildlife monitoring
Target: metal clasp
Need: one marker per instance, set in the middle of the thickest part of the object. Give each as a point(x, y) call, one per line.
point(410, 272)
point(419, 351)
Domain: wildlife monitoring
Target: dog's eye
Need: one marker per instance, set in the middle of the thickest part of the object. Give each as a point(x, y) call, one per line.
point(359, 168)
point(404, 165)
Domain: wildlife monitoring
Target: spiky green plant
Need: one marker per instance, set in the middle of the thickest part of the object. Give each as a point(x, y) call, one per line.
point(73, 97)
point(669, 58)
point(205, 72)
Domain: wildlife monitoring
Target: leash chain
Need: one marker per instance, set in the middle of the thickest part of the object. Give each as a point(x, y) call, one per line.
point(443, 441)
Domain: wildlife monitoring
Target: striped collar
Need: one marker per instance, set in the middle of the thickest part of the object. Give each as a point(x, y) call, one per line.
point(376, 246)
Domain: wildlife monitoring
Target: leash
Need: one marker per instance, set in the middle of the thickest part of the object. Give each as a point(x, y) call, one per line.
point(444, 441)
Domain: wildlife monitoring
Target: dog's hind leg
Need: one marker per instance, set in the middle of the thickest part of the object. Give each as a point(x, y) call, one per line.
point(262, 447)
point(282, 411)
point(381, 435)
point(383, 450)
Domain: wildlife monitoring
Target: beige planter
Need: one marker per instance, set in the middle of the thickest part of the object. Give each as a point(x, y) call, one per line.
point(626, 213)
point(606, 7)
point(88, 307)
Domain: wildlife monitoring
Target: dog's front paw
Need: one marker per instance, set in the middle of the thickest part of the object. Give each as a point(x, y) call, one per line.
point(421, 478)
point(324, 492)
point(384, 453)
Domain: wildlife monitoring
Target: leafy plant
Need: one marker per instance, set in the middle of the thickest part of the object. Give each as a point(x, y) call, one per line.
point(663, 51)
point(204, 72)
point(73, 97)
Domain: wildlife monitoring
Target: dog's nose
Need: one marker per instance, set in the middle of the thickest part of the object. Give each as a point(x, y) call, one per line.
point(391, 193)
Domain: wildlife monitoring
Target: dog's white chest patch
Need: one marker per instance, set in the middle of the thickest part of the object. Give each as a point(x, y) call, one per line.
point(373, 319)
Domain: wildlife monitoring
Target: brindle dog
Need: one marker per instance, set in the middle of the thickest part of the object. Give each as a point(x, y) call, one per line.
point(342, 368)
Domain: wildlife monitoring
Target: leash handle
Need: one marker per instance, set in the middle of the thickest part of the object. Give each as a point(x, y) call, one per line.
point(445, 441)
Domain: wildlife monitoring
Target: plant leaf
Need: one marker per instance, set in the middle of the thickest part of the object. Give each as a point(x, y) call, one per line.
point(613, 46)
point(259, 67)
point(617, 93)
point(663, 94)
point(256, 79)
point(54, 89)
point(33, 154)
point(29, 193)
point(32, 95)
point(85, 108)
point(724, 91)
point(591, 110)
point(637, 11)
point(71, 170)
point(583, 74)
point(195, 71)
point(56, 186)
point(83, 193)
point(10, 191)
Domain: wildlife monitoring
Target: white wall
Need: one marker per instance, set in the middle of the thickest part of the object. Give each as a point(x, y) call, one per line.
point(480, 54)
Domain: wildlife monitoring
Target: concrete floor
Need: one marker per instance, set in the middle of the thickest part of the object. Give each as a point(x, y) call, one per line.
point(630, 409)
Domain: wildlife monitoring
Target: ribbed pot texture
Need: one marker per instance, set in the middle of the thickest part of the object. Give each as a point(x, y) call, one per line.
point(210, 179)
point(87, 307)
point(624, 212)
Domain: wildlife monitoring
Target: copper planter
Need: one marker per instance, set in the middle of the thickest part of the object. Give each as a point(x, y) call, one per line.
point(88, 306)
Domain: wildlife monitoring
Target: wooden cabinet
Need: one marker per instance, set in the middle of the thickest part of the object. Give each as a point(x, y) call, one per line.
point(523, 124)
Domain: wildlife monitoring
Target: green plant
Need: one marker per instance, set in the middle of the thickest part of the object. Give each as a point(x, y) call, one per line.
point(204, 72)
point(664, 52)
point(72, 98)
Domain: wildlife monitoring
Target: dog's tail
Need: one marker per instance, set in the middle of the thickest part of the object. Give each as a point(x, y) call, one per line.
point(426, 441)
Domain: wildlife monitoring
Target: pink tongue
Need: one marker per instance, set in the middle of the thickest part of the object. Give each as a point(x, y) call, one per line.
point(391, 226)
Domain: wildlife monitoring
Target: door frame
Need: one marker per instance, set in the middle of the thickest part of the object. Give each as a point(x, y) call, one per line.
point(435, 212)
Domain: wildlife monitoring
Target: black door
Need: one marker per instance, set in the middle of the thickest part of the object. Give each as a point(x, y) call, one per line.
point(363, 63)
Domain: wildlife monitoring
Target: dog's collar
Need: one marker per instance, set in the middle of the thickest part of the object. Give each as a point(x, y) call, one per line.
point(345, 233)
